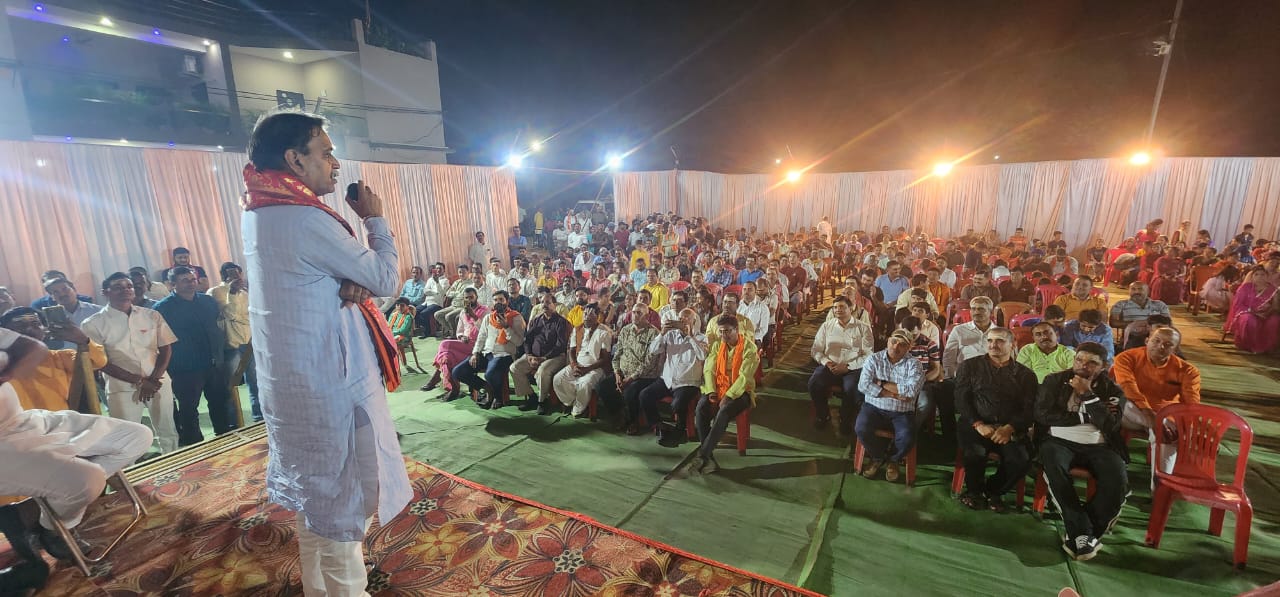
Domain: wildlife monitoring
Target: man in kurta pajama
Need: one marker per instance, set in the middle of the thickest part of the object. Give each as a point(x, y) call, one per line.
point(321, 356)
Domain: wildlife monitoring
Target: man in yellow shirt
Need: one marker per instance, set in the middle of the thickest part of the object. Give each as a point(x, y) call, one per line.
point(728, 389)
point(48, 386)
point(640, 253)
point(659, 295)
point(729, 306)
point(1047, 356)
point(1080, 298)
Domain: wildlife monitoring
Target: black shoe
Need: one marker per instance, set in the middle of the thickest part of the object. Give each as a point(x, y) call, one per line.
point(821, 423)
point(996, 504)
point(973, 501)
point(669, 436)
point(24, 578)
point(483, 404)
point(56, 547)
point(1082, 548)
point(544, 410)
point(531, 403)
point(451, 396)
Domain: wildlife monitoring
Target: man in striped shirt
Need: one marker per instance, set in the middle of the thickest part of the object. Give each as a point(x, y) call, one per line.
point(934, 395)
point(889, 383)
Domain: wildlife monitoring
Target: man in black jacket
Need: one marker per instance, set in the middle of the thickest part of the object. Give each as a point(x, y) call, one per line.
point(994, 396)
point(1076, 415)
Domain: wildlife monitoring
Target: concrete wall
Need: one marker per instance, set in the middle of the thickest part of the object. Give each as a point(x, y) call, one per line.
point(264, 76)
point(403, 81)
point(14, 123)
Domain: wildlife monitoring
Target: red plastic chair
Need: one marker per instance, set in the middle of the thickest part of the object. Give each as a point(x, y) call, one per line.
point(957, 478)
point(1017, 321)
point(1042, 487)
point(860, 453)
point(744, 431)
point(679, 285)
point(963, 316)
point(1045, 295)
point(734, 288)
point(714, 289)
point(1022, 336)
point(1200, 428)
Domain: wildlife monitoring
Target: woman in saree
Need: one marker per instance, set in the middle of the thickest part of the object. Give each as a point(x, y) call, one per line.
point(1216, 293)
point(456, 349)
point(1253, 320)
point(1167, 280)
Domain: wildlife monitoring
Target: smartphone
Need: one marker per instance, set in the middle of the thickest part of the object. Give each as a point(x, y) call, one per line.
point(353, 192)
point(56, 315)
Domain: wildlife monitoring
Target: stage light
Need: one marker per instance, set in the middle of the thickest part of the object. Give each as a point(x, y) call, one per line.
point(38, 8)
point(613, 161)
point(515, 160)
point(219, 148)
point(66, 39)
point(777, 161)
point(207, 43)
point(68, 138)
point(536, 145)
point(288, 55)
point(1140, 158)
point(155, 32)
point(125, 141)
point(942, 168)
point(41, 163)
point(105, 22)
point(172, 144)
point(794, 176)
point(996, 157)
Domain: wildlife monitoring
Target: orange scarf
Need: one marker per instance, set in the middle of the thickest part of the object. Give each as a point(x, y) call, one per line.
point(727, 371)
point(495, 322)
point(272, 187)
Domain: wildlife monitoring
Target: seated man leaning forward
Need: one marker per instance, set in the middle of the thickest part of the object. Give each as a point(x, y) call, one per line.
point(728, 389)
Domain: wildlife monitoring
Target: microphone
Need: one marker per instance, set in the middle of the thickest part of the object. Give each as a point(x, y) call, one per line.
point(353, 192)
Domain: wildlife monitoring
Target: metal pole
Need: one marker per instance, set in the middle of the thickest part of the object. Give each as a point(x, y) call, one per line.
point(1164, 71)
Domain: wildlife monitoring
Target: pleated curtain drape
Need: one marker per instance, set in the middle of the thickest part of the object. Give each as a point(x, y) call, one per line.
point(1085, 199)
point(92, 210)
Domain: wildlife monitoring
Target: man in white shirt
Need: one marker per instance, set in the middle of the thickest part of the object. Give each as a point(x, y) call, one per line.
point(495, 278)
point(64, 457)
point(434, 289)
point(576, 238)
point(232, 297)
point(670, 312)
point(589, 355)
point(479, 252)
point(824, 227)
point(138, 344)
point(757, 310)
point(968, 340)
point(683, 350)
point(840, 348)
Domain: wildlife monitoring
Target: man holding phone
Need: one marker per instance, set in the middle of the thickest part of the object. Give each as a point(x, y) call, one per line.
point(324, 353)
point(232, 297)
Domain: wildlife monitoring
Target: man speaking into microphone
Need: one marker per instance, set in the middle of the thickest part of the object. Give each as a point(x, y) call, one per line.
point(325, 356)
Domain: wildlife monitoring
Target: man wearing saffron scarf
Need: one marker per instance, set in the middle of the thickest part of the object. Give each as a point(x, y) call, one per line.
point(499, 339)
point(728, 389)
point(324, 352)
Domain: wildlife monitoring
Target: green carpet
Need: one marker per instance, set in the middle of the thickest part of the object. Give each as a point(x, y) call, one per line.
point(767, 512)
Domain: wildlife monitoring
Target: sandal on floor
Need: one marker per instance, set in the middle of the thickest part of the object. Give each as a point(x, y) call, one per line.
point(973, 502)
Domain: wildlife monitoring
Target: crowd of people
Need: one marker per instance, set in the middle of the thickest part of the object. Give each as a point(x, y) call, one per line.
point(1005, 346)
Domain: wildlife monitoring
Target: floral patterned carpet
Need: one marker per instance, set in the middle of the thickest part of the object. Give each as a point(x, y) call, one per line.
point(211, 532)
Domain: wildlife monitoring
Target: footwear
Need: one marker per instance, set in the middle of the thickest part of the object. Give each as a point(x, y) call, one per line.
point(696, 464)
point(821, 423)
point(996, 504)
point(892, 472)
point(710, 466)
point(634, 429)
point(1082, 548)
point(483, 404)
point(669, 436)
point(431, 385)
point(972, 501)
point(544, 410)
point(451, 395)
point(56, 547)
point(581, 415)
point(530, 403)
point(872, 469)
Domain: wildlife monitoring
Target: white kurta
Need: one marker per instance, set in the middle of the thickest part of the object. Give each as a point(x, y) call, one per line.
point(318, 373)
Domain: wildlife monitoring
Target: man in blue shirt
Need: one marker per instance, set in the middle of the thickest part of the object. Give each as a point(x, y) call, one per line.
point(1089, 328)
point(515, 242)
point(892, 283)
point(751, 272)
point(47, 300)
point(415, 288)
point(194, 366)
point(718, 274)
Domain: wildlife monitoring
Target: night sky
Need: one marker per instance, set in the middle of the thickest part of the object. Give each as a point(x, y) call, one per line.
point(862, 85)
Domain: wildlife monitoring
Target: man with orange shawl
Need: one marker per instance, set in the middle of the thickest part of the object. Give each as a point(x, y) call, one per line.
point(325, 356)
point(728, 389)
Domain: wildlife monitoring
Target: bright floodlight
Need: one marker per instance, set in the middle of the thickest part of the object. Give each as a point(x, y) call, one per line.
point(777, 160)
point(942, 168)
point(794, 176)
point(613, 161)
point(105, 22)
point(288, 55)
point(1141, 158)
point(536, 145)
point(515, 160)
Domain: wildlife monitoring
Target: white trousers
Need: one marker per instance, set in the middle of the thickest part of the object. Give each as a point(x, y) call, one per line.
point(336, 568)
point(65, 457)
point(121, 405)
point(1166, 454)
point(576, 391)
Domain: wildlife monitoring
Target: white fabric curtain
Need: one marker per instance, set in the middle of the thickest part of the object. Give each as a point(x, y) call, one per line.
point(1085, 199)
point(93, 210)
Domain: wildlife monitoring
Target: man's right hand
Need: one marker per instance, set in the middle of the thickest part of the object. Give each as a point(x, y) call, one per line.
point(474, 361)
point(367, 204)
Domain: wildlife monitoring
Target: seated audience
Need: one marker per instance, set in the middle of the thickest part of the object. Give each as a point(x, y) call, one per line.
point(840, 347)
point(682, 350)
point(889, 382)
point(497, 342)
point(454, 302)
point(1253, 320)
point(1017, 288)
point(981, 286)
point(1077, 413)
point(1080, 298)
point(994, 396)
point(968, 340)
point(728, 389)
point(457, 346)
point(1137, 308)
point(589, 346)
point(659, 294)
point(415, 287)
point(48, 386)
point(401, 323)
point(139, 345)
point(1168, 280)
point(756, 309)
point(546, 346)
point(635, 367)
point(1088, 328)
point(519, 302)
point(1215, 295)
point(1046, 355)
point(435, 291)
point(64, 457)
point(1154, 376)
